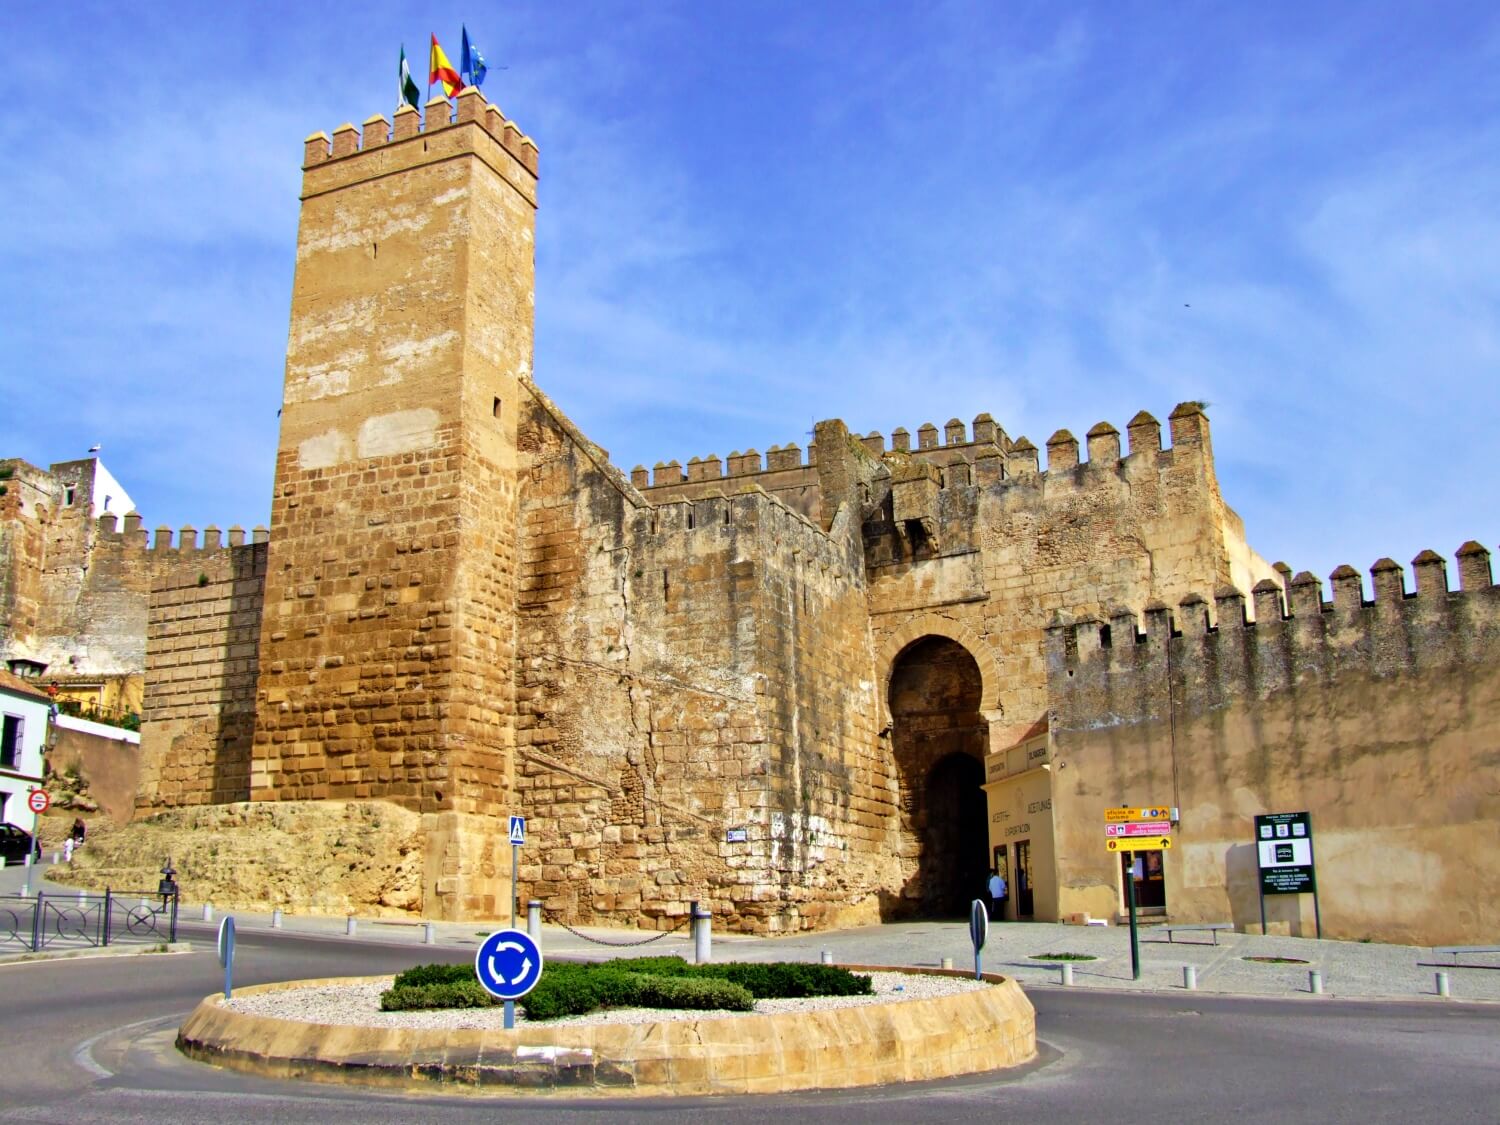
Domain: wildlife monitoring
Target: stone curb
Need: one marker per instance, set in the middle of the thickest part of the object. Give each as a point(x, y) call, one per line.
point(107, 951)
point(904, 1041)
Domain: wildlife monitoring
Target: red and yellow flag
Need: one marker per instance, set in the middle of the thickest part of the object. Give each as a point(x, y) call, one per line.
point(439, 69)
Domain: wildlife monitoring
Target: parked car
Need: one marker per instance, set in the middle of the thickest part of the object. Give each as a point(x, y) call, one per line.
point(15, 843)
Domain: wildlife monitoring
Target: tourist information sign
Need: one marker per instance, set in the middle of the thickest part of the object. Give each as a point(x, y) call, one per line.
point(1138, 830)
point(1156, 812)
point(1284, 853)
point(1144, 829)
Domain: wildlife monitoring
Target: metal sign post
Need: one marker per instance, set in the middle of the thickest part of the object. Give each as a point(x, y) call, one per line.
point(226, 952)
point(979, 930)
point(517, 838)
point(1134, 830)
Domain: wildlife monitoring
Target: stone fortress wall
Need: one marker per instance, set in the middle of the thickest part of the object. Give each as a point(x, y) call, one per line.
point(76, 588)
point(1380, 716)
point(771, 684)
point(697, 716)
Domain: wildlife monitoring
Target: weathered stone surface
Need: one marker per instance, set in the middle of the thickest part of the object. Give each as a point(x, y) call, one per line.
point(330, 857)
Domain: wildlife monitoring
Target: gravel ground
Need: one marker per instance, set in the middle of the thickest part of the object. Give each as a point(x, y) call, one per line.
point(359, 1005)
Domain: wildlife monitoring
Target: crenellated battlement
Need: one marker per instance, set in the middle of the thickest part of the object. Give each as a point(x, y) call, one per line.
point(379, 132)
point(777, 459)
point(131, 533)
point(1217, 652)
point(983, 455)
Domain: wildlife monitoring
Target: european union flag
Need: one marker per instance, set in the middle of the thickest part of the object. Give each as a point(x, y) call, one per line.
point(471, 66)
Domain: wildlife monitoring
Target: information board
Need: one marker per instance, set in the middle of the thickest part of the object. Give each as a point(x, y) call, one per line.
point(1284, 851)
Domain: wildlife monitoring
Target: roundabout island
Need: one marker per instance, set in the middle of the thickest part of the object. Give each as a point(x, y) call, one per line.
point(918, 1024)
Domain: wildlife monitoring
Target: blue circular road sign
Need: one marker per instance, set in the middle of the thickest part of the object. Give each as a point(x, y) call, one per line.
point(508, 964)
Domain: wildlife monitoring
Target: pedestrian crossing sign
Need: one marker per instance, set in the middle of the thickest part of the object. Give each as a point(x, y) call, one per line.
point(518, 830)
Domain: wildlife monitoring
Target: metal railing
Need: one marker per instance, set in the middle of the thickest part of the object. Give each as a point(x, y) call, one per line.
point(42, 921)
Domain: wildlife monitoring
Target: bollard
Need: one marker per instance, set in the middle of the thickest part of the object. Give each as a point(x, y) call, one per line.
point(83, 897)
point(1067, 973)
point(1190, 977)
point(1315, 982)
point(702, 937)
point(534, 919)
point(208, 912)
point(349, 926)
point(1442, 984)
point(429, 934)
point(826, 957)
point(947, 962)
point(276, 919)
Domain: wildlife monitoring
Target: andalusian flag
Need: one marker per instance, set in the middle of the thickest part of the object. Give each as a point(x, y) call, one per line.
point(471, 66)
point(439, 69)
point(406, 86)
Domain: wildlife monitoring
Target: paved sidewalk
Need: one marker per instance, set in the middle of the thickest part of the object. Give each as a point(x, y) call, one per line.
point(1349, 969)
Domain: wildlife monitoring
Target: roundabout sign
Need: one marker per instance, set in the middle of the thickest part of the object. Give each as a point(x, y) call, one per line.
point(508, 965)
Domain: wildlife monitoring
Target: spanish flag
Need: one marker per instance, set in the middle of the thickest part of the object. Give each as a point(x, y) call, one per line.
point(440, 69)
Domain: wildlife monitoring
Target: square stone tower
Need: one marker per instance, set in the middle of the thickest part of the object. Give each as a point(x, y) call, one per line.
point(389, 629)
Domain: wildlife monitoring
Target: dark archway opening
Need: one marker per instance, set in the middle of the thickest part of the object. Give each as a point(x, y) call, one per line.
point(939, 739)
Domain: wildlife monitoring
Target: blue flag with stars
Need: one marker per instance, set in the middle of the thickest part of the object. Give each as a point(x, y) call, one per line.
point(471, 66)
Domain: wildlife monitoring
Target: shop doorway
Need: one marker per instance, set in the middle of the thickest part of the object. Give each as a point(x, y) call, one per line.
point(1025, 896)
point(1149, 875)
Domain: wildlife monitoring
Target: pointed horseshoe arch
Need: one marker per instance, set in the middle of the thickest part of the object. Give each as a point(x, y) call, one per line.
point(931, 625)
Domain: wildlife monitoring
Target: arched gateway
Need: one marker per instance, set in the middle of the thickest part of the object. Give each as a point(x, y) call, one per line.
point(938, 737)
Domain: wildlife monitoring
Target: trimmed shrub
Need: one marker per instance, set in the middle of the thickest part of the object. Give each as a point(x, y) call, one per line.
point(450, 994)
point(570, 992)
point(785, 980)
point(672, 966)
point(696, 993)
point(571, 989)
point(420, 975)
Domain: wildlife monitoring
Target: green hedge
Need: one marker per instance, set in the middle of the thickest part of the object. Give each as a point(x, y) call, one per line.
point(697, 993)
point(788, 980)
point(443, 994)
point(436, 974)
point(570, 989)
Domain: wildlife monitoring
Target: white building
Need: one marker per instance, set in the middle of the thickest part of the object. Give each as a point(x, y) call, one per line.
point(23, 732)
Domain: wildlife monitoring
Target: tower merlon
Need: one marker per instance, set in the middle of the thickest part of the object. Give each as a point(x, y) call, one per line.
point(380, 135)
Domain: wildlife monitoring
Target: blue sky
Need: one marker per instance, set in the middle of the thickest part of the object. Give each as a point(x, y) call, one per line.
point(755, 215)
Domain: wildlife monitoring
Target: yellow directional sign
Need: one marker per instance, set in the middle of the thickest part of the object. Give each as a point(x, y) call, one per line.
point(1139, 844)
point(1115, 816)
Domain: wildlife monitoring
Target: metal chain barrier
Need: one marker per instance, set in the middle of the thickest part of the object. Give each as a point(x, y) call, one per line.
point(621, 944)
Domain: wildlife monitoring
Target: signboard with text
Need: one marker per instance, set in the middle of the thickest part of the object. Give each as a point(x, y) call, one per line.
point(1284, 852)
point(1138, 829)
point(1117, 816)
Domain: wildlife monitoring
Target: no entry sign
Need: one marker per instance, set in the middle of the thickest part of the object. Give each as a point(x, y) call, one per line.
point(38, 801)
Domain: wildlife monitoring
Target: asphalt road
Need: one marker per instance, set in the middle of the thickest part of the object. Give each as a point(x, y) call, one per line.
point(91, 1041)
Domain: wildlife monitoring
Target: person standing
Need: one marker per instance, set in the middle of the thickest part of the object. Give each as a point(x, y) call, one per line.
point(998, 893)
